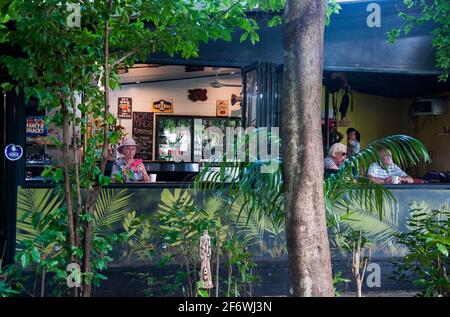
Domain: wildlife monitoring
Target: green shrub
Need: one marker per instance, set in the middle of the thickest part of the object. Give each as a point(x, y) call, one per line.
point(428, 241)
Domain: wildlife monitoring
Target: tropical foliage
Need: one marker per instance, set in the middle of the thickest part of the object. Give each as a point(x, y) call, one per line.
point(42, 232)
point(350, 190)
point(172, 239)
point(349, 195)
point(37, 206)
point(380, 233)
point(265, 234)
point(60, 59)
point(11, 281)
point(427, 261)
point(34, 209)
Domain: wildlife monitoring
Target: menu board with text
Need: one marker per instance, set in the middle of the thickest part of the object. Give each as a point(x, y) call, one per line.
point(143, 134)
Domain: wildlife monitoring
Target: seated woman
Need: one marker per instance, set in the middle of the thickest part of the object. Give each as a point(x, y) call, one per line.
point(131, 169)
point(336, 156)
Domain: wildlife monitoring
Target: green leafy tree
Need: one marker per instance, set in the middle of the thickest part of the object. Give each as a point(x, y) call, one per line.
point(58, 62)
point(436, 12)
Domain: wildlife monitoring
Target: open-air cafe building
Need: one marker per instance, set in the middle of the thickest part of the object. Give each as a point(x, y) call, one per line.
point(392, 89)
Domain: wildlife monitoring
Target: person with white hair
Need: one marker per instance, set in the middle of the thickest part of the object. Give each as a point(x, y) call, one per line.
point(337, 154)
point(390, 173)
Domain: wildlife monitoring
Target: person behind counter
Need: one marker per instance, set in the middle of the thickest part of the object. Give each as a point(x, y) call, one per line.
point(353, 142)
point(132, 170)
point(393, 174)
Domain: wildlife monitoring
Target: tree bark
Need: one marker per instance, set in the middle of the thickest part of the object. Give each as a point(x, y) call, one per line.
point(217, 262)
point(89, 229)
point(306, 230)
point(67, 186)
point(77, 173)
point(43, 282)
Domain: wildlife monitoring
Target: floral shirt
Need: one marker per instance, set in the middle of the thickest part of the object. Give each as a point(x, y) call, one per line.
point(121, 166)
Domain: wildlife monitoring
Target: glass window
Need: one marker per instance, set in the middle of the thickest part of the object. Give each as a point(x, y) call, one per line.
point(203, 138)
point(174, 138)
point(251, 98)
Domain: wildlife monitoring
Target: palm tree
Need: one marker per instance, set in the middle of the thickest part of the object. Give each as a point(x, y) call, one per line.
point(261, 194)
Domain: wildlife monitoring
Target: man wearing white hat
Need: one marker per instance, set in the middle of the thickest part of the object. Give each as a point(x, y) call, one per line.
point(131, 169)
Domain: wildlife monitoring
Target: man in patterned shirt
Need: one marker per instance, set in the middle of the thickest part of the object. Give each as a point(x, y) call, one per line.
point(380, 175)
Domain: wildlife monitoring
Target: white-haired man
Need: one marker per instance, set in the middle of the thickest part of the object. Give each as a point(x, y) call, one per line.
point(392, 174)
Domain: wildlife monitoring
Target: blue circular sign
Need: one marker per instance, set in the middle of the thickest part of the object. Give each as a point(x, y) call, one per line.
point(13, 152)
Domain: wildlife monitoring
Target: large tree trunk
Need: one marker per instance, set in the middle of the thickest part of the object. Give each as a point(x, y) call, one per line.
point(67, 185)
point(306, 231)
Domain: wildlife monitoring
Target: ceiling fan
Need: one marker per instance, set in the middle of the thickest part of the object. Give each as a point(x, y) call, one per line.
point(216, 83)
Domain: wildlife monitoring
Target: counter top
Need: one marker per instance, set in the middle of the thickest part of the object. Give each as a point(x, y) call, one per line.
point(186, 184)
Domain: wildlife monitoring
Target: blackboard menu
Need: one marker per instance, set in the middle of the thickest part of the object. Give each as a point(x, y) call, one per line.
point(143, 133)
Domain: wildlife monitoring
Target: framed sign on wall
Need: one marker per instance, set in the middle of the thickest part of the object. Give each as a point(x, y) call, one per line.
point(222, 108)
point(162, 105)
point(124, 108)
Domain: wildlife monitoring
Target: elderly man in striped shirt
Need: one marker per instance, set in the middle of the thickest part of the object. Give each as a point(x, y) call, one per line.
point(392, 174)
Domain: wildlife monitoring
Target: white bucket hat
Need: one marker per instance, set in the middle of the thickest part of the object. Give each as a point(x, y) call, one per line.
point(128, 142)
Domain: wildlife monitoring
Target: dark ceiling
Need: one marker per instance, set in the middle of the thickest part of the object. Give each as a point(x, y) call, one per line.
point(396, 85)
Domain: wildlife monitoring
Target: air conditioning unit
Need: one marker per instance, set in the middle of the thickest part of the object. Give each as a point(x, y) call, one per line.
point(429, 106)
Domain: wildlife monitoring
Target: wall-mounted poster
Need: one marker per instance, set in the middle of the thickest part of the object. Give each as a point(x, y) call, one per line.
point(124, 108)
point(162, 105)
point(36, 126)
point(143, 133)
point(222, 108)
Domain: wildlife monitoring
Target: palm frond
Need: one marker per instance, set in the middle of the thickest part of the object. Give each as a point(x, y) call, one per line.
point(259, 182)
point(111, 206)
point(35, 201)
point(213, 205)
point(258, 229)
point(378, 230)
point(406, 151)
